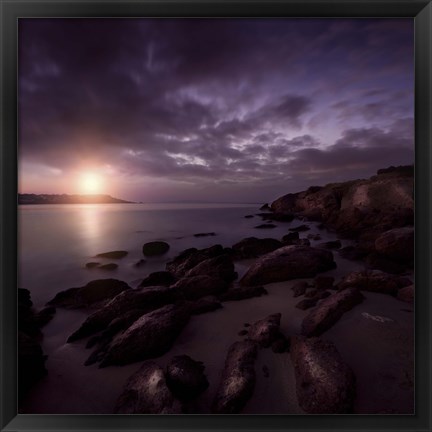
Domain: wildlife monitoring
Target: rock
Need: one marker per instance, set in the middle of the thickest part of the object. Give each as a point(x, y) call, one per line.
point(44, 316)
point(185, 377)
point(279, 217)
point(145, 300)
point(397, 244)
point(221, 267)
point(147, 392)
point(325, 384)
point(281, 344)
point(324, 282)
point(204, 305)
point(299, 288)
point(252, 247)
point(291, 237)
point(242, 332)
point(306, 303)
point(265, 207)
point(94, 292)
point(406, 294)
point(112, 254)
point(242, 293)
point(265, 331)
point(249, 216)
point(334, 244)
point(300, 228)
point(238, 379)
point(160, 278)
point(189, 258)
point(149, 336)
point(329, 311)
point(374, 281)
point(376, 261)
point(92, 264)
point(311, 294)
point(110, 266)
point(210, 234)
point(288, 262)
point(195, 287)
point(352, 253)
point(155, 248)
point(140, 263)
point(266, 226)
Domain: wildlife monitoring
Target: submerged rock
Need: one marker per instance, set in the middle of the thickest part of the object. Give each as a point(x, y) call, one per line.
point(147, 392)
point(110, 266)
point(238, 379)
point(149, 336)
point(300, 288)
point(265, 331)
point(253, 247)
point(221, 267)
point(112, 254)
point(210, 234)
point(325, 383)
point(300, 228)
point(155, 248)
point(242, 293)
point(265, 226)
point(92, 264)
point(329, 311)
point(204, 305)
point(288, 262)
point(94, 292)
point(334, 244)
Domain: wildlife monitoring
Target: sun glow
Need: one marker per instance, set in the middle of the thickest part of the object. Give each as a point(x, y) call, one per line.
point(90, 183)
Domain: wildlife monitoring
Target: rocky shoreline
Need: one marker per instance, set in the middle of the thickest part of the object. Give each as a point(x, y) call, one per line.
point(127, 325)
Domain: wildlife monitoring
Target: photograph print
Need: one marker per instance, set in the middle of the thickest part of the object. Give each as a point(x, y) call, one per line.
point(216, 216)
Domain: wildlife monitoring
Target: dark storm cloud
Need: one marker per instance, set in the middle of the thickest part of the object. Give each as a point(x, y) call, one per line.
point(215, 101)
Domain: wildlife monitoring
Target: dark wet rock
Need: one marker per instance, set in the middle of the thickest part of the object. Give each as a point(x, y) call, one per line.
point(288, 262)
point(185, 377)
point(300, 228)
point(303, 242)
point(306, 303)
point(253, 247)
point(209, 234)
point(140, 263)
point(31, 363)
point(113, 254)
point(110, 266)
point(322, 295)
point(329, 311)
point(160, 278)
point(279, 217)
point(44, 316)
point(147, 392)
point(312, 293)
point(324, 282)
point(397, 244)
point(281, 344)
point(155, 248)
point(204, 305)
point(246, 324)
point(249, 216)
point(376, 261)
point(334, 244)
point(374, 281)
point(291, 237)
point(406, 294)
point(92, 264)
point(266, 226)
point(325, 383)
point(265, 331)
point(242, 332)
point(265, 207)
point(94, 292)
point(146, 300)
point(195, 287)
point(242, 293)
point(352, 253)
point(151, 335)
point(238, 379)
point(221, 267)
point(190, 258)
point(299, 288)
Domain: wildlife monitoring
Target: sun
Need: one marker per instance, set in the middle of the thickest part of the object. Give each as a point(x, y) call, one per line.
point(90, 183)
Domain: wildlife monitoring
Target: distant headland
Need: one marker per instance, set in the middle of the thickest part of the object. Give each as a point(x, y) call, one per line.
point(69, 199)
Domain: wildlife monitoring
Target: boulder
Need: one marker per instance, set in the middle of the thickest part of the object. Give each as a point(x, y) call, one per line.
point(406, 294)
point(306, 303)
point(149, 336)
point(44, 316)
point(242, 293)
point(325, 384)
point(94, 292)
point(279, 217)
point(147, 392)
point(185, 377)
point(221, 267)
point(291, 238)
point(253, 247)
point(300, 228)
point(112, 254)
point(300, 288)
point(145, 300)
point(160, 278)
point(397, 244)
point(288, 262)
point(324, 282)
point(374, 281)
point(238, 379)
point(329, 311)
point(265, 331)
point(265, 207)
point(195, 287)
point(155, 248)
point(266, 226)
point(204, 305)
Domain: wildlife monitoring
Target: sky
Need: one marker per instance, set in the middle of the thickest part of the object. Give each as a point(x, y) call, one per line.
point(216, 110)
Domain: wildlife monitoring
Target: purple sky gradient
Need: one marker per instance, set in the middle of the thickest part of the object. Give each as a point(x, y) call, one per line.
point(212, 110)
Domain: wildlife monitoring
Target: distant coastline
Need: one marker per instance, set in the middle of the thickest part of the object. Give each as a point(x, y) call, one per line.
point(28, 199)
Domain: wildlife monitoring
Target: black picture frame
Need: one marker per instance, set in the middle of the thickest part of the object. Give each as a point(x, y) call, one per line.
point(419, 10)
